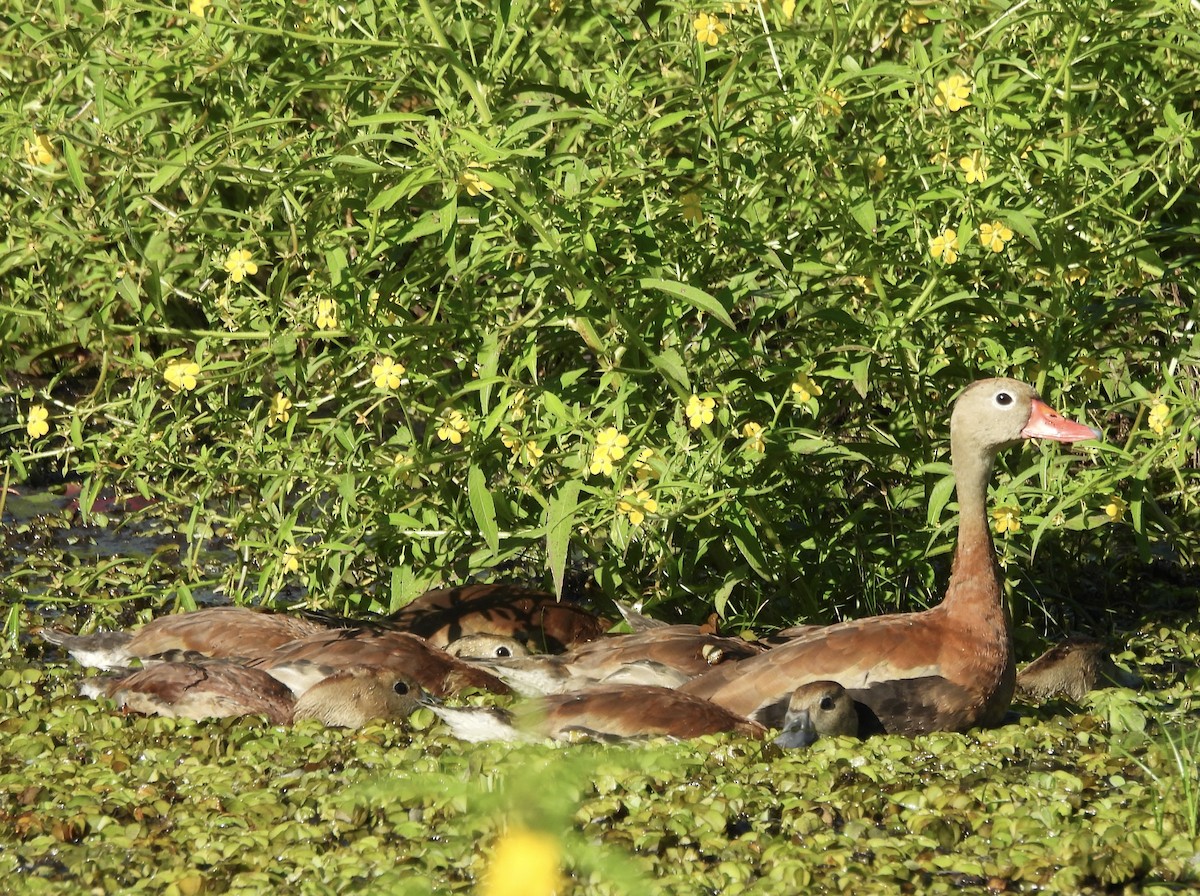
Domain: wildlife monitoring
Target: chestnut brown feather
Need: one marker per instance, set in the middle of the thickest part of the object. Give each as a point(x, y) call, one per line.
point(947, 668)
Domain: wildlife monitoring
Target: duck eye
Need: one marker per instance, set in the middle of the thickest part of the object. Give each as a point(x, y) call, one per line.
point(400, 687)
point(1004, 399)
point(503, 651)
point(826, 703)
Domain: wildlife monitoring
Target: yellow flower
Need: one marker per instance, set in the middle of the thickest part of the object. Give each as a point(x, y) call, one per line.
point(636, 505)
point(199, 7)
point(1006, 519)
point(516, 405)
point(994, 235)
point(281, 408)
point(39, 151)
point(291, 559)
point(238, 264)
point(975, 166)
point(182, 375)
point(754, 438)
point(524, 863)
point(1115, 509)
point(945, 247)
point(1160, 415)
point(405, 465)
point(953, 93)
point(1076, 275)
point(831, 103)
point(387, 373)
point(473, 183)
point(789, 9)
point(527, 452)
point(326, 314)
point(699, 411)
point(689, 207)
point(37, 422)
point(452, 426)
point(804, 388)
point(642, 468)
point(531, 452)
point(911, 19)
point(610, 446)
point(708, 29)
point(877, 170)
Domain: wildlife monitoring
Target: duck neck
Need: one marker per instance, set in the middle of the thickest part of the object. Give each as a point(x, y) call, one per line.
point(974, 586)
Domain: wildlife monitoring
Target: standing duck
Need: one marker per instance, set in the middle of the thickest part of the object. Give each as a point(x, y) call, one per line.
point(948, 668)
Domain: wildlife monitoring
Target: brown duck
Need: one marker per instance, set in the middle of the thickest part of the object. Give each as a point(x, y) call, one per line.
point(670, 656)
point(1073, 669)
point(209, 688)
point(820, 708)
point(947, 668)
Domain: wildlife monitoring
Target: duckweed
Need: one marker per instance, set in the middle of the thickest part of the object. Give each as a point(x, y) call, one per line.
point(1063, 801)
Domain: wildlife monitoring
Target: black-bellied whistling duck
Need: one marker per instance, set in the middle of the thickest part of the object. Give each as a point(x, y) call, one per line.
point(486, 647)
point(816, 709)
point(637, 711)
point(946, 668)
point(440, 616)
point(1072, 669)
point(406, 654)
point(547, 624)
point(209, 688)
point(213, 632)
point(667, 656)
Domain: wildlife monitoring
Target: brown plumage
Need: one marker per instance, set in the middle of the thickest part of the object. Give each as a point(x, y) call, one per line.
point(619, 712)
point(544, 622)
point(432, 668)
point(668, 655)
point(204, 689)
point(947, 668)
point(220, 689)
point(1072, 669)
point(213, 631)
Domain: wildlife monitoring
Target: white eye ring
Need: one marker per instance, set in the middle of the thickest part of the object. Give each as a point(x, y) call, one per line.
point(1004, 399)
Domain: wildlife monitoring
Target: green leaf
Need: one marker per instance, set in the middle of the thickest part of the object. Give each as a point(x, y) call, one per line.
point(697, 297)
point(483, 507)
point(560, 522)
point(864, 214)
point(671, 365)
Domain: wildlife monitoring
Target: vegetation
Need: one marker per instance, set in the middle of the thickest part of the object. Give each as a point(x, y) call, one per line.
point(341, 301)
point(1090, 803)
point(390, 296)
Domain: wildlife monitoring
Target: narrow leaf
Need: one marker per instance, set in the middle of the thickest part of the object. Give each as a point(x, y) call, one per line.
point(697, 297)
point(560, 521)
point(483, 507)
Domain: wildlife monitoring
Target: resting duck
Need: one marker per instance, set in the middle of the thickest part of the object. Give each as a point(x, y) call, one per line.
point(546, 623)
point(950, 667)
point(213, 632)
point(402, 653)
point(441, 616)
point(667, 656)
point(634, 711)
point(1072, 669)
point(486, 647)
point(208, 688)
